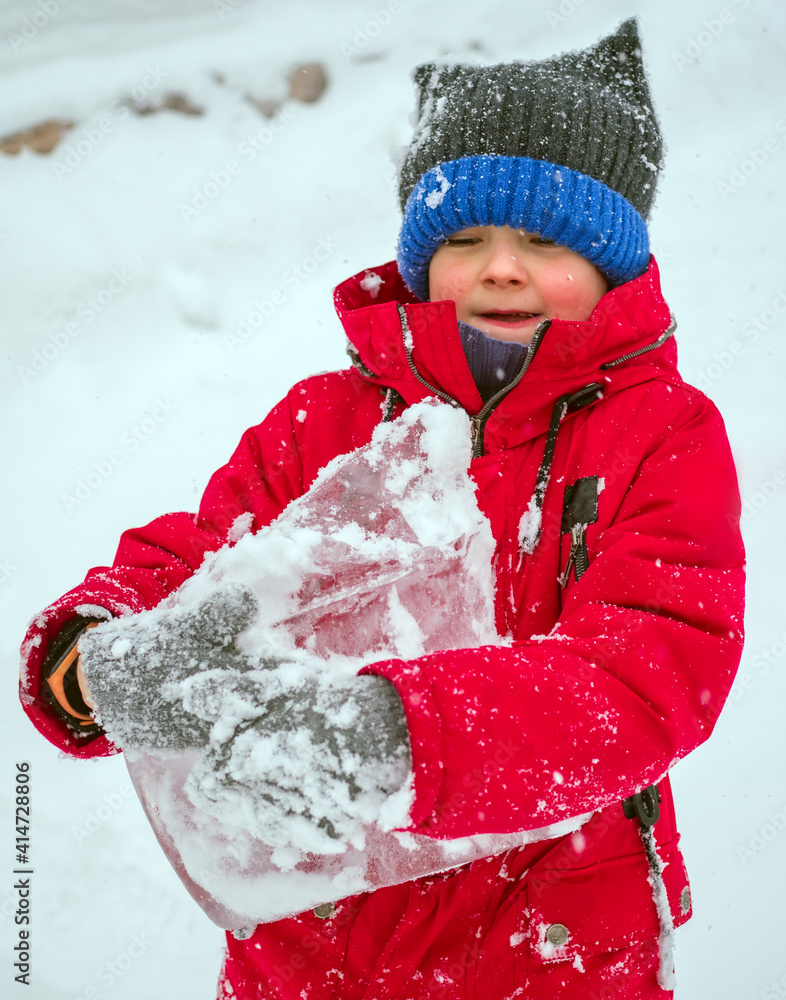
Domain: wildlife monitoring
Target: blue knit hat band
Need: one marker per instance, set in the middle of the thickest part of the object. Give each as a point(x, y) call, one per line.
point(555, 202)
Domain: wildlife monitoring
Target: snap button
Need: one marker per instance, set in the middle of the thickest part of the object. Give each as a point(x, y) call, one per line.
point(324, 910)
point(685, 900)
point(557, 935)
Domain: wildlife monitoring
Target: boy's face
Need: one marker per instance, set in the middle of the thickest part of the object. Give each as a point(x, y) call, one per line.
point(506, 281)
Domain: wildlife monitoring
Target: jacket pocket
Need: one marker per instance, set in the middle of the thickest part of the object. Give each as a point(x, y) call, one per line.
point(550, 916)
point(580, 509)
point(605, 907)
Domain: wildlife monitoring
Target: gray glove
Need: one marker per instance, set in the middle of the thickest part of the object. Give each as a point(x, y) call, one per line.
point(285, 743)
point(327, 750)
point(134, 665)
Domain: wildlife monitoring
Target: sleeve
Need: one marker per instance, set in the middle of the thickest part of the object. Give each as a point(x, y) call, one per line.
point(262, 476)
point(631, 678)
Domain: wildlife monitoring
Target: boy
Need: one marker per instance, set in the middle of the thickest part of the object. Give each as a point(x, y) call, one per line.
point(524, 292)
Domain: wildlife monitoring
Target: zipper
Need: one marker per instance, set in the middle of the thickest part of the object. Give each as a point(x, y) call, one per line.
point(478, 422)
point(643, 350)
point(581, 555)
point(567, 403)
point(408, 352)
point(578, 557)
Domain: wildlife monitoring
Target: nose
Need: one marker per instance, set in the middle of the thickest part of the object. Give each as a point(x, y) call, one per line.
point(504, 265)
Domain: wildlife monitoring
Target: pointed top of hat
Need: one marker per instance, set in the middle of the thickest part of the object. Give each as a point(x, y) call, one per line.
point(589, 110)
point(616, 61)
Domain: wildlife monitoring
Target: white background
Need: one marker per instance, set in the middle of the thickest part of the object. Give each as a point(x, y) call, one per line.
point(326, 175)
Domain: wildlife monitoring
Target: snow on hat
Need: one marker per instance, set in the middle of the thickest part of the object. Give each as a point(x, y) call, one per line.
point(568, 148)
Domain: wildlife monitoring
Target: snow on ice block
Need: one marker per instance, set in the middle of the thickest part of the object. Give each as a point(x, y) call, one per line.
point(239, 881)
point(387, 555)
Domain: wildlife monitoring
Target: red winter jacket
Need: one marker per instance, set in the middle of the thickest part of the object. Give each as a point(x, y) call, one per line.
point(610, 679)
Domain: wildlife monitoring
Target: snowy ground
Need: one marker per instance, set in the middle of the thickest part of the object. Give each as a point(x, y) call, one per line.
point(143, 397)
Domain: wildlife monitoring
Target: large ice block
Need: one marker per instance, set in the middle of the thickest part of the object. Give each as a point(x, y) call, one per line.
point(387, 554)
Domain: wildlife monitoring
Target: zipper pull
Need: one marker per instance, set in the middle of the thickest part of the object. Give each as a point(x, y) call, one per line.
point(475, 425)
point(580, 509)
point(575, 556)
point(581, 560)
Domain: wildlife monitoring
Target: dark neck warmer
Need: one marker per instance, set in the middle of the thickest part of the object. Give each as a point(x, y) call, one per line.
point(493, 363)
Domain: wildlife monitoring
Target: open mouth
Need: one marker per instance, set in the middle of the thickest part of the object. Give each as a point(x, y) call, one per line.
point(510, 317)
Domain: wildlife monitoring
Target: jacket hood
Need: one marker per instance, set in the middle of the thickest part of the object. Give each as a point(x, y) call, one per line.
point(414, 347)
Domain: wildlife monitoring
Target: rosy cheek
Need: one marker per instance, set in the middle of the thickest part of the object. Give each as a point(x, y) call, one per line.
point(579, 294)
point(565, 298)
point(563, 291)
point(448, 285)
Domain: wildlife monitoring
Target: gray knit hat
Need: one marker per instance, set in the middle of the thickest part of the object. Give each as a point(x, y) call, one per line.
point(568, 148)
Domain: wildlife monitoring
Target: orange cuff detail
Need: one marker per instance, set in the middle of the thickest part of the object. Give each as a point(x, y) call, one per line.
point(57, 687)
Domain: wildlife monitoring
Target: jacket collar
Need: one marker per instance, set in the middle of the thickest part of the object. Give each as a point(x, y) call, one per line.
point(403, 343)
